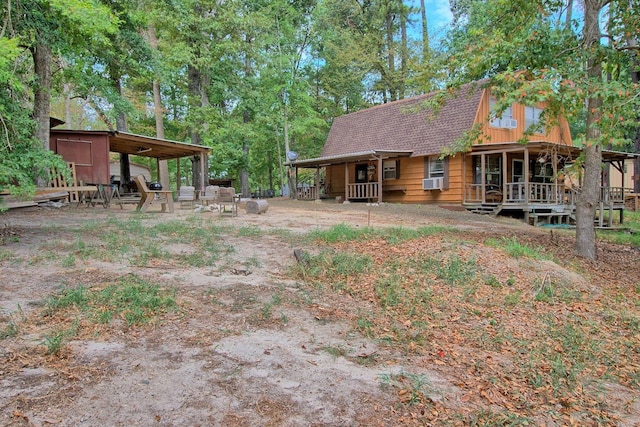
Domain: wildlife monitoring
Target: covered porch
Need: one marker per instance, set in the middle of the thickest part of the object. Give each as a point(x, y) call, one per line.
point(363, 175)
point(537, 180)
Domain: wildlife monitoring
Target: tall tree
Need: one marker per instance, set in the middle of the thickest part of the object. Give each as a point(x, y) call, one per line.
point(38, 25)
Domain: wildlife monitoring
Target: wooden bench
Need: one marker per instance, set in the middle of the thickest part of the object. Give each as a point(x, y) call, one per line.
point(149, 197)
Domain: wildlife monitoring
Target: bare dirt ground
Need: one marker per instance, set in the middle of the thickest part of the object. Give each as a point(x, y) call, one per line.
point(251, 345)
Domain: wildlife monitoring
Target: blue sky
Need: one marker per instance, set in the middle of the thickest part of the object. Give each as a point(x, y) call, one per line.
point(438, 16)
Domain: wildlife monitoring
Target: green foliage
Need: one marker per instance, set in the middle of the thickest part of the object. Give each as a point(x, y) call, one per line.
point(22, 158)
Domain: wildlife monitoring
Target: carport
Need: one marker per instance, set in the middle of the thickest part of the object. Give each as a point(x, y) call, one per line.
point(89, 150)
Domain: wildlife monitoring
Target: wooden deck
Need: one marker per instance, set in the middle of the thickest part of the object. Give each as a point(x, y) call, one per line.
point(542, 202)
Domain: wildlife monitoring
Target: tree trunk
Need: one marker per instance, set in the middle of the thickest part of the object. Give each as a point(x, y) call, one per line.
point(163, 165)
point(391, 58)
point(246, 118)
point(42, 92)
point(635, 78)
point(244, 173)
point(195, 87)
point(589, 194)
point(121, 126)
point(569, 12)
point(425, 32)
point(404, 52)
point(67, 105)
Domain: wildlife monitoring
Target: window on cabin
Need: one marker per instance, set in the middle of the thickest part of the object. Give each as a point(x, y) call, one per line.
point(532, 118)
point(436, 167)
point(389, 169)
point(505, 119)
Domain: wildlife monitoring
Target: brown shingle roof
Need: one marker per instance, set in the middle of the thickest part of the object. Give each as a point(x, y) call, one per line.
point(396, 127)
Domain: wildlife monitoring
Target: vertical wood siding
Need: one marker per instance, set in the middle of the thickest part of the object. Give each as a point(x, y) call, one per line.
point(558, 134)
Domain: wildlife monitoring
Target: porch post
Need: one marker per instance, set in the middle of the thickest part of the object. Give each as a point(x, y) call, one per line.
point(526, 176)
point(554, 166)
point(380, 179)
point(464, 178)
point(293, 192)
point(503, 172)
point(483, 176)
point(317, 182)
point(178, 172)
point(346, 181)
point(204, 164)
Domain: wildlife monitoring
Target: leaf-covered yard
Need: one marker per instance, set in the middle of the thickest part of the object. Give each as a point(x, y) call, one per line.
point(526, 333)
point(390, 315)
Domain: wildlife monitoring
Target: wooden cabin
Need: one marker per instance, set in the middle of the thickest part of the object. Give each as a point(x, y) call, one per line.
point(396, 152)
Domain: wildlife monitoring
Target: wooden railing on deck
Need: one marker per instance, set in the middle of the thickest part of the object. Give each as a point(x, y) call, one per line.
point(368, 190)
point(473, 193)
point(541, 193)
point(307, 193)
point(612, 194)
point(545, 193)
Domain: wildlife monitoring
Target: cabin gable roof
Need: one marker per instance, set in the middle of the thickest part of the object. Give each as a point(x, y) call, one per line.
point(406, 125)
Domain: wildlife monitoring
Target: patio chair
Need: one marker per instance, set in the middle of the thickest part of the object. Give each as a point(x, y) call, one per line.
point(149, 197)
point(211, 195)
point(187, 194)
point(227, 198)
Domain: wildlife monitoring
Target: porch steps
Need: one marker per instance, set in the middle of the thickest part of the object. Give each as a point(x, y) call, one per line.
point(483, 209)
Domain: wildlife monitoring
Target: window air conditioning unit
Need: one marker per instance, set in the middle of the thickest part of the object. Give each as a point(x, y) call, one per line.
point(432, 184)
point(510, 123)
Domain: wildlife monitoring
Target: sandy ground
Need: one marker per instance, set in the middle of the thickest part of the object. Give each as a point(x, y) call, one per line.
point(221, 361)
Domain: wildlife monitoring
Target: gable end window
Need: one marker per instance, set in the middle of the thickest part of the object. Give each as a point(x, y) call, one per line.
point(505, 120)
point(390, 169)
point(532, 118)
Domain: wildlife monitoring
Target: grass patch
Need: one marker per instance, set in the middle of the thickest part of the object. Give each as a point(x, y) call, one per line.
point(488, 417)
point(10, 330)
point(342, 233)
point(393, 235)
point(336, 351)
point(629, 235)
point(132, 299)
point(412, 388)
point(249, 231)
point(142, 245)
point(335, 264)
point(54, 341)
point(6, 255)
point(548, 290)
point(454, 271)
point(516, 249)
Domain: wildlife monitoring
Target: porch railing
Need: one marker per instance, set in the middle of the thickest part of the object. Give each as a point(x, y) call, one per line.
point(368, 190)
point(536, 192)
point(307, 193)
point(612, 195)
